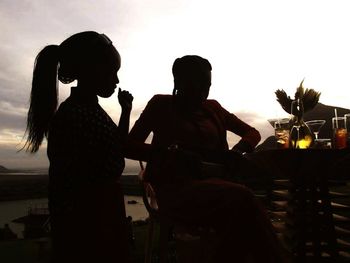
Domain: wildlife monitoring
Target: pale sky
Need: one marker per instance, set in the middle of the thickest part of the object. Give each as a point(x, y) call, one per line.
point(255, 47)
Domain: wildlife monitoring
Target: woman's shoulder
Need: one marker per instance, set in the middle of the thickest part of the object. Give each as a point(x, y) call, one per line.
point(69, 111)
point(158, 98)
point(160, 101)
point(213, 104)
point(215, 107)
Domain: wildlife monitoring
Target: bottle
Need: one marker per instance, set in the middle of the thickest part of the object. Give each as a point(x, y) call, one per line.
point(300, 134)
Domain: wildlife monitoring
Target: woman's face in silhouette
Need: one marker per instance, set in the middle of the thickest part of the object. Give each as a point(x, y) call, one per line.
point(103, 75)
point(195, 90)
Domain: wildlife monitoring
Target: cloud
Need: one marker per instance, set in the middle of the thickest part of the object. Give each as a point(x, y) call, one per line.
point(11, 158)
point(27, 26)
point(12, 117)
point(251, 54)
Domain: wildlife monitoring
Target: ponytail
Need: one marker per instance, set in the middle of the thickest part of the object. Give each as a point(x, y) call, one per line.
point(43, 97)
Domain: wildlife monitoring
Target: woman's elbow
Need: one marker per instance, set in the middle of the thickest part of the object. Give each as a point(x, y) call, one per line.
point(257, 136)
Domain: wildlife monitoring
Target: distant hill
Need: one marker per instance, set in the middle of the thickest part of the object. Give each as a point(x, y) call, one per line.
point(3, 169)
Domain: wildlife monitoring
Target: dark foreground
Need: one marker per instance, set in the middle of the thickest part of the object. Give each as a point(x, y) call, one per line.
point(38, 250)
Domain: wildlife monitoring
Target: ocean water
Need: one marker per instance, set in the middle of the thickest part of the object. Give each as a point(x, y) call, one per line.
point(10, 210)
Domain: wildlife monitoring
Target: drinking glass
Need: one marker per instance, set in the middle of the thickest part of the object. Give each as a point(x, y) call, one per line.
point(280, 120)
point(315, 126)
point(340, 134)
point(282, 129)
point(347, 120)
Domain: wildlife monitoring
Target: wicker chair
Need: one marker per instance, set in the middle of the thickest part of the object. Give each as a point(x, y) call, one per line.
point(191, 244)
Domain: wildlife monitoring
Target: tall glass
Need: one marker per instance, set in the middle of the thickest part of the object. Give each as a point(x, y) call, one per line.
point(282, 130)
point(280, 120)
point(340, 133)
point(347, 121)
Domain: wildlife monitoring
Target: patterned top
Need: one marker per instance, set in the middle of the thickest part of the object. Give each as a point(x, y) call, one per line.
point(84, 148)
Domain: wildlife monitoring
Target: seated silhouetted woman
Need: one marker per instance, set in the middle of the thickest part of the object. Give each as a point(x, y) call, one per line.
point(198, 126)
point(85, 148)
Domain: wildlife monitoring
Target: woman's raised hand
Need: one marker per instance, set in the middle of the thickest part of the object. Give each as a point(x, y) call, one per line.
point(125, 99)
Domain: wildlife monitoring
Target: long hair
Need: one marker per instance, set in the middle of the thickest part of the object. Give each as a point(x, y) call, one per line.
point(74, 56)
point(43, 97)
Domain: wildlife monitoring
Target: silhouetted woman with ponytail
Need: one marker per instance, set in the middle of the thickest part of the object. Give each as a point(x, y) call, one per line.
point(85, 148)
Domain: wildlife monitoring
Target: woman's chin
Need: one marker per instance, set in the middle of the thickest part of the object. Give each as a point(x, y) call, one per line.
point(106, 94)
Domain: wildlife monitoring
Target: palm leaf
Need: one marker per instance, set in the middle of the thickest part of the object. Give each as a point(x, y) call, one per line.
point(309, 98)
point(300, 91)
point(284, 100)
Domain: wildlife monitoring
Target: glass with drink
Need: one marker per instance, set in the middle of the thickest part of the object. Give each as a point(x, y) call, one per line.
point(315, 126)
point(347, 121)
point(340, 134)
point(282, 130)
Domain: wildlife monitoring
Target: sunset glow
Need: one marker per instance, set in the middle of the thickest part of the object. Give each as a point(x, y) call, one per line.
point(255, 47)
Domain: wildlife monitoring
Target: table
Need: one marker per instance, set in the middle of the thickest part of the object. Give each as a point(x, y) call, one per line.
point(309, 200)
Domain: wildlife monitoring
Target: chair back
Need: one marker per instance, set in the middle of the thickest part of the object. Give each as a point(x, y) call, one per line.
point(148, 193)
